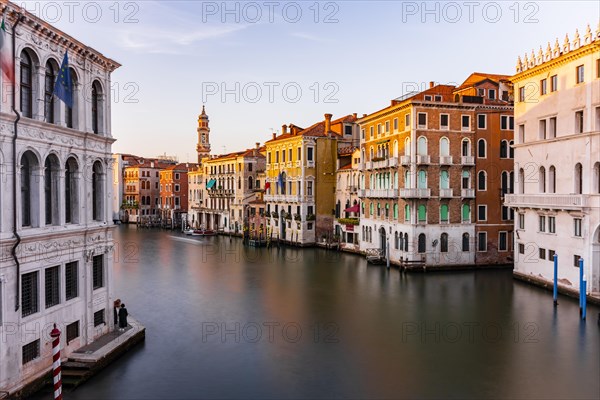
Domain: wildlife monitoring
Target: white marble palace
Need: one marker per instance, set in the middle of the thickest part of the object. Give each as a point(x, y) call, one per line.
point(56, 236)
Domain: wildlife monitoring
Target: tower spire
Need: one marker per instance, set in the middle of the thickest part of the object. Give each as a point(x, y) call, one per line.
point(203, 146)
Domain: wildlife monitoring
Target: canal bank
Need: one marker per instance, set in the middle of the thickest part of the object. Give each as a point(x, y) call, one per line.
point(228, 321)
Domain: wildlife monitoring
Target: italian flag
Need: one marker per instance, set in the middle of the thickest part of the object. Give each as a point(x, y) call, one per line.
point(6, 63)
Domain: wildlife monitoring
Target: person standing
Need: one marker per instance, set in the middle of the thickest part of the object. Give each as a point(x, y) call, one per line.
point(117, 306)
point(123, 317)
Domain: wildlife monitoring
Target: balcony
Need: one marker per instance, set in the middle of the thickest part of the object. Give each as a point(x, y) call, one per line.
point(415, 193)
point(424, 160)
point(552, 201)
point(405, 160)
point(467, 160)
point(445, 160)
point(386, 163)
point(382, 193)
point(467, 193)
point(445, 193)
point(352, 189)
point(362, 193)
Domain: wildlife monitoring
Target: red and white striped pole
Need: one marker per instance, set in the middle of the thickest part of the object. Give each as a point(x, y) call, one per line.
point(56, 375)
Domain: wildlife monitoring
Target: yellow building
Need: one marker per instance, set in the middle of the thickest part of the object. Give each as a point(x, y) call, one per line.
point(300, 174)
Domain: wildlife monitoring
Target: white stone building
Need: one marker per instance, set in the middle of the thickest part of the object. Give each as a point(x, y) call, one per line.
point(56, 237)
point(557, 162)
point(345, 225)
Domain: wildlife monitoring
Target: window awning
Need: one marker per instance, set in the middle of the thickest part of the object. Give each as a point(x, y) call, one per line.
point(354, 209)
point(211, 183)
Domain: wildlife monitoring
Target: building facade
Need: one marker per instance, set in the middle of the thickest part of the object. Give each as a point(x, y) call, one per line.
point(173, 187)
point(430, 161)
point(557, 162)
point(300, 187)
point(60, 226)
point(347, 202)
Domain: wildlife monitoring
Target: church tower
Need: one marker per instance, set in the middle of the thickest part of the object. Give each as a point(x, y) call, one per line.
point(203, 146)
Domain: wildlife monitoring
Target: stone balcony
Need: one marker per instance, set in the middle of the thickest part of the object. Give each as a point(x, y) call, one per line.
point(381, 193)
point(446, 193)
point(424, 160)
point(415, 193)
point(405, 160)
point(467, 193)
point(552, 201)
point(445, 160)
point(387, 163)
point(467, 160)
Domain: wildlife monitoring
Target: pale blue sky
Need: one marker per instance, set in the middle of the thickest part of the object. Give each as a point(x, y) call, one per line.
point(173, 53)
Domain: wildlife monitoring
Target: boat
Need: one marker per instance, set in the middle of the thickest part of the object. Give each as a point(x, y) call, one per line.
point(204, 232)
point(189, 232)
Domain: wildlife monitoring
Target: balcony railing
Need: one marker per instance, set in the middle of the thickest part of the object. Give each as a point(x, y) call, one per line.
point(415, 193)
point(467, 160)
point(362, 193)
point(445, 193)
point(467, 193)
point(382, 193)
point(552, 201)
point(424, 160)
point(387, 163)
point(405, 160)
point(445, 160)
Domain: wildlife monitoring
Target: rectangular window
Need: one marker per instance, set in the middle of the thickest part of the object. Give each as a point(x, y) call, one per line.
point(30, 351)
point(282, 155)
point(29, 294)
point(552, 128)
point(72, 331)
point(521, 94)
point(309, 153)
point(362, 135)
point(482, 213)
point(407, 121)
point(51, 285)
point(521, 248)
point(551, 255)
point(99, 318)
point(309, 188)
point(371, 130)
point(395, 124)
point(481, 92)
point(577, 227)
point(503, 241)
point(177, 176)
point(481, 121)
point(378, 129)
point(492, 94)
point(347, 132)
point(482, 241)
point(466, 122)
point(177, 188)
point(427, 97)
point(542, 129)
point(521, 221)
point(576, 259)
point(300, 151)
point(98, 271)
point(554, 83)
point(543, 87)
point(444, 121)
point(505, 213)
point(579, 73)
point(387, 126)
point(542, 253)
point(552, 224)
point(437, 98)
point(542, 226)
point(422, 120)
point(579, 121)
point(309, 226)
point(521, 133)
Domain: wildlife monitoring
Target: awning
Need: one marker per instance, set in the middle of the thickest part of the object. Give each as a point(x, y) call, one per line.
point(211, 183)
point(354, 209)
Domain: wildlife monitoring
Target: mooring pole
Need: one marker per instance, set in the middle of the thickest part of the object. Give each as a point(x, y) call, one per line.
point(555, 292)
point(584, 299)
point(56, 374)
point(581, 295)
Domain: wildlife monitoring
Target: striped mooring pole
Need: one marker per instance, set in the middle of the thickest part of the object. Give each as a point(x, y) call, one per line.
point(56, 375)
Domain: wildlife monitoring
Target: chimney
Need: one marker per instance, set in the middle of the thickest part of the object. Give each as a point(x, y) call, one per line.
point(294, 129)
point(257, 145)
point(354, 115)
point(152, 164)
point(255, 151)
point(327, 123)
point(431, 84)
point(275, 135)
point(364, 116)
point(283, 129)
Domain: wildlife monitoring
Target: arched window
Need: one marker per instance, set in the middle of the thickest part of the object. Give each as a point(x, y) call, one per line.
point(407, 150)
point(511, 182)
point(481, 148)
point(542, 180)
point(401, 241)
point(97, 192)
point(26, 85)
point(422, 213)
point(503, 149)
point(444, 147)
point(444, 243)
point(51, 198)
point(444, 179)
point(29, 190)
point(407, 212)
point(552, 179)
point(71, 192)
point(396, 241)
point(371, 156)
point(521, 181)
point(338, 207)
point(466, 148)
point(444, 217)
point(97, 110)
point(466, 180)
point(250, 183)
point(395, 148)
point(49, 92)
point(407, 178)
point(422, 146)
point(596, 177)
point(578, 179)
point(71, 112)
point(465, 242)
point(395, 211)
point(511, 150)
point(422, 182)
point(466, 213)
point(504, 183)
point(481, 181)
point(395, 179)
point(422, 244)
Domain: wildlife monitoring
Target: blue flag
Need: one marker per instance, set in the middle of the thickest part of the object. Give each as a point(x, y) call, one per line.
point(63, 88)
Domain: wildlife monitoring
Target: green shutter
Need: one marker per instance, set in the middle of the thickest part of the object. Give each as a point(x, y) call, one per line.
point(422, 213)
point(466, 212)
point(444, 212)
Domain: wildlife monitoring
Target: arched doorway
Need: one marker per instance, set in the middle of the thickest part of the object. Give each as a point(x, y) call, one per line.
point(382, 240)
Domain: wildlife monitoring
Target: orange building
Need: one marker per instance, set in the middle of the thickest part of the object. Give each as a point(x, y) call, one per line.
point(173, 200)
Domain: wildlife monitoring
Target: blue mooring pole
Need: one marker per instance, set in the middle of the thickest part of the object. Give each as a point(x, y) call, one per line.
point(580, 285)
point(555, 291)
point(584, 299)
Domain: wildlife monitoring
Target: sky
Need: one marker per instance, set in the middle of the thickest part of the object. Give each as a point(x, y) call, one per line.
point(259, 65)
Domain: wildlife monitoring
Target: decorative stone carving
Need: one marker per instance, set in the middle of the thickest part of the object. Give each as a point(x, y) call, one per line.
point(540, 57)
point(576, 41)
point(566, 44)
point(548, 54)
point(587, 38)
point(556, 51)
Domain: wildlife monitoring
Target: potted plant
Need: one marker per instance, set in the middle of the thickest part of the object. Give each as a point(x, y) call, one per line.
point(310, 217)
point(297, 217)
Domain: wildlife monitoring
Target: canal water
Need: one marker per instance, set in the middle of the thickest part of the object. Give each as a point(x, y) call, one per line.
point(224, 321)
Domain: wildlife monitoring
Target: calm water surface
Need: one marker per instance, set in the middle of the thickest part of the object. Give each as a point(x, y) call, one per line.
point(225, 321)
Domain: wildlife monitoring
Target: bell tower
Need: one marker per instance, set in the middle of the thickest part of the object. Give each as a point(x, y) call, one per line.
point(203, 146)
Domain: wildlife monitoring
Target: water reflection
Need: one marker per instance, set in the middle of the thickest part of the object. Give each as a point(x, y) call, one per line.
point(234, 322)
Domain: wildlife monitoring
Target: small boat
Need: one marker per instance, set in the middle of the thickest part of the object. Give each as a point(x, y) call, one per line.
point(204, 232)
point(189, 232)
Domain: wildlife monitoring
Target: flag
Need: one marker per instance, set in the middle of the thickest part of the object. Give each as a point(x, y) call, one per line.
point(280, 180)
point(267, 185)
point(6, 62)
point(63, 88)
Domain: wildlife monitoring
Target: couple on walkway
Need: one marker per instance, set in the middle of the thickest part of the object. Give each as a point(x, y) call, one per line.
point(120, 315)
